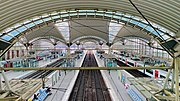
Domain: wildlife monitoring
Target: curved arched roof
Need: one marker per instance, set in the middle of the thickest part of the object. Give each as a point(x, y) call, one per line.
point(83, 38)
point(159, 12)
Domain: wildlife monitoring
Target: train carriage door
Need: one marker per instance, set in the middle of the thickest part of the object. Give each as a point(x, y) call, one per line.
point(156, 73)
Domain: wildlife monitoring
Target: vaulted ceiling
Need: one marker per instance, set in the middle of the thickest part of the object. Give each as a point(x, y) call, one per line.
point(35, 18)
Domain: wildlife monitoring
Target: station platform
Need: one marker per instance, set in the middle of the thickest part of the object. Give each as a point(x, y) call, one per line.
point(62, 86)
point(18, 74)
point(116, 88)
point(65, 83)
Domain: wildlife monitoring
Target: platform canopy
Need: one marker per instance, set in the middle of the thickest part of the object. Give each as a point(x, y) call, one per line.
point(19, 18)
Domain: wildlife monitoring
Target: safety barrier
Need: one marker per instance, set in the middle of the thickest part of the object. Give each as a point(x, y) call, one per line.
point(55, 77)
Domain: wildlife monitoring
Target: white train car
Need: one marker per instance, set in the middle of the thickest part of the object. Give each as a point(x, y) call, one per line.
point(157, 73)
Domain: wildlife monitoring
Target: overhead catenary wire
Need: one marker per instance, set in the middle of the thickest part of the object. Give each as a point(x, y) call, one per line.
point(152, 27)
point(110, 34)
point(102, 31)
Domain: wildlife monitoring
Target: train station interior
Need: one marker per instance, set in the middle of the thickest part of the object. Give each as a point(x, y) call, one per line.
point(89, 50)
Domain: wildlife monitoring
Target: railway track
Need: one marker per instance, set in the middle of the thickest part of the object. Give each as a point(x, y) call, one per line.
point(90, 85)
point(40, 74)
point(135, 73)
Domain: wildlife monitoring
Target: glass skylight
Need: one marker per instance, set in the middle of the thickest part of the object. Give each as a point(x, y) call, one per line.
point(91, 13)
point(142, 25)
point(72, 11)
point(38, 22)
point(14, 33)
point(136, 18)
point(21, 29)
point(65, 15)
point(114, 28)
point(128, 16)
point(155, 33)
point(65, 30)
point(165, 37)
point(47, 19)
point(63, 27)
point(6, 37)
point(170, 33)
point(125, 19)
point(134, 22)
point(30, 25)
point(155, 25)
point(117, 17)
point(86, 10)
point(75, 14)
point(150, 29)
point(55, 17)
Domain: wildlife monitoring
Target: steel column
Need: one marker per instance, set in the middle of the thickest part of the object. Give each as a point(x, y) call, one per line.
point(68, 51)
point(6, 81)
point(177, 78)
point(108, 50)
point(172, 81)
point(166, 80)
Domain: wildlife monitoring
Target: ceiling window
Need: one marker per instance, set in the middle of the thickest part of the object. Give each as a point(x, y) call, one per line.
point(63, 27)
point(114, 28)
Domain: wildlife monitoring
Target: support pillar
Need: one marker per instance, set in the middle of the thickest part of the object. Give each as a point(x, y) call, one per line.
point(166, 80)
point(30, 46)
point(101, 43)
point(109, 46)
point(82, 46)
point(177, 60)
point(27, 46)
point(172, 82)
point(77, 43)
point(68, 51)
point(55, 54)
point(173, 75)
point(109, 50)
point(6, 81)
point(27, 51)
